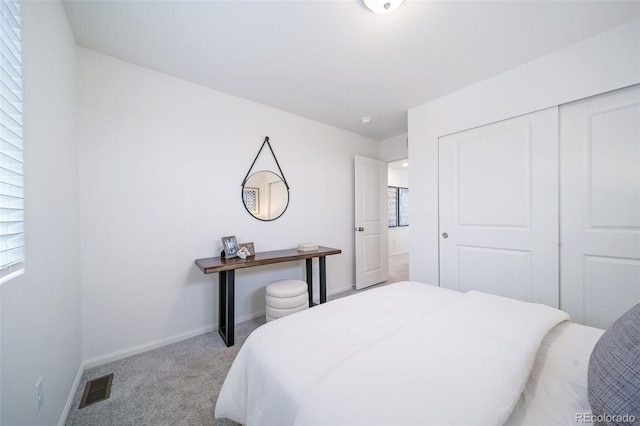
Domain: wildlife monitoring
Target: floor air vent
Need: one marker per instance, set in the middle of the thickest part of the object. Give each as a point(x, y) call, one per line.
point(96, 390)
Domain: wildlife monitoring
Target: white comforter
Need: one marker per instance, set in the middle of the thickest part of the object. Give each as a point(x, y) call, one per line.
point(408, 353)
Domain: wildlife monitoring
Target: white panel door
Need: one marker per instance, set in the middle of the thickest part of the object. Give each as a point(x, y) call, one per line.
point(600, 206)
point(371, 221)
point(499, 208)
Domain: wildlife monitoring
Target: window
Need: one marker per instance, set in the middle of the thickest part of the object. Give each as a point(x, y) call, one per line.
point(403, 206)
point(393, 206)
point(398, 206)
point(11, 143)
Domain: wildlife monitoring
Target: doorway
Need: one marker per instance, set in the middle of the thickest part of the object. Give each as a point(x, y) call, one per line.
point(398, 226)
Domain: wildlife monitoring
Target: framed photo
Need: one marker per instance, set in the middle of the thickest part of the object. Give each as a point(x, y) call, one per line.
point(250, 247)
point(230, 246)
point(251, 198)
point(403, 206)
point(393, 206)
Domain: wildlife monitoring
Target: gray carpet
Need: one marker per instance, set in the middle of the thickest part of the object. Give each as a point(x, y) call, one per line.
point(177, 384)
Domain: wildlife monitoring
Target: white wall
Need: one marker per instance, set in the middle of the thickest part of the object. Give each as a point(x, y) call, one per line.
point(605, 62)
point(399, 235)
point(161, 164)
point(394, 148)
point(41, 309)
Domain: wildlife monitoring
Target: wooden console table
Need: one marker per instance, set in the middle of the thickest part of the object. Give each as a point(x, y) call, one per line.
point(226, 271)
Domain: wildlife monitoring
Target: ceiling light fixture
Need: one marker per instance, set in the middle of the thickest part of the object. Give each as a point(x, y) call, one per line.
point(382, 6)
point(365, 120)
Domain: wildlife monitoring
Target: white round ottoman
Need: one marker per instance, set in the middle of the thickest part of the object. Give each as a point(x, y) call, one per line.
point(286, 297)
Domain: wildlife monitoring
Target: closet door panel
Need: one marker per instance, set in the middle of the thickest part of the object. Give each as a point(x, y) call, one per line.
point(600, 206)
point(499, 208)
point(609, 281)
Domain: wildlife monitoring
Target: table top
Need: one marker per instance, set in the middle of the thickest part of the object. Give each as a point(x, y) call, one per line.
point(217, 264)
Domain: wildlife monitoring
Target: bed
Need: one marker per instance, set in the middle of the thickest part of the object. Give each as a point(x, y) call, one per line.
point(411, 353)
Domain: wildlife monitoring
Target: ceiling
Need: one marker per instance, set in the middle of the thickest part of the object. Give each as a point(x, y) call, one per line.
point(335, 61)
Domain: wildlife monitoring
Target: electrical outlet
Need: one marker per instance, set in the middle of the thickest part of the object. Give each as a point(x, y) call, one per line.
point(39, 394)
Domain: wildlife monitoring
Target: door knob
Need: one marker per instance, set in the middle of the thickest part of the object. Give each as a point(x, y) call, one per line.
point(445, 235)
point(360, 229)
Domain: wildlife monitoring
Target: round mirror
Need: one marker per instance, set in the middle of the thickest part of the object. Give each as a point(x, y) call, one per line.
point(265, 195)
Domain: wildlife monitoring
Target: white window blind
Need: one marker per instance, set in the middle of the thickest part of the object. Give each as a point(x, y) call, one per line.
point(11, 142)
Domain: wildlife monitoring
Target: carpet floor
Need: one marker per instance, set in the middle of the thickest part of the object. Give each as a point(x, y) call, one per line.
point(177, 384)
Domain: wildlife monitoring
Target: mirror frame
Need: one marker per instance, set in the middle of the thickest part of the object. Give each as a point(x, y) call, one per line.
point(245, 205)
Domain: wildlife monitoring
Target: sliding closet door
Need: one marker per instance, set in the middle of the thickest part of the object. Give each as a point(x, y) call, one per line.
point(499, 208)
point(600, 206)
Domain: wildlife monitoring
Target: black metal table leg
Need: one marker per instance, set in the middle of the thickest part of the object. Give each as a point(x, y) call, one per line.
point(222, 306)
point(323, 279)
point(226, 303)
point(309, 270)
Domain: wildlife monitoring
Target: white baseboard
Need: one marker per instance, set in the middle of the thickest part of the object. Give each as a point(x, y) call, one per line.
point(334, 292)
point(340, 290)
point(72, 395)
point(247, 317)
point(134, 350)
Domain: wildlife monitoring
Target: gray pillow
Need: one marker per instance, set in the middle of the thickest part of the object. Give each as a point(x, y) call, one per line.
point(614, 372)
